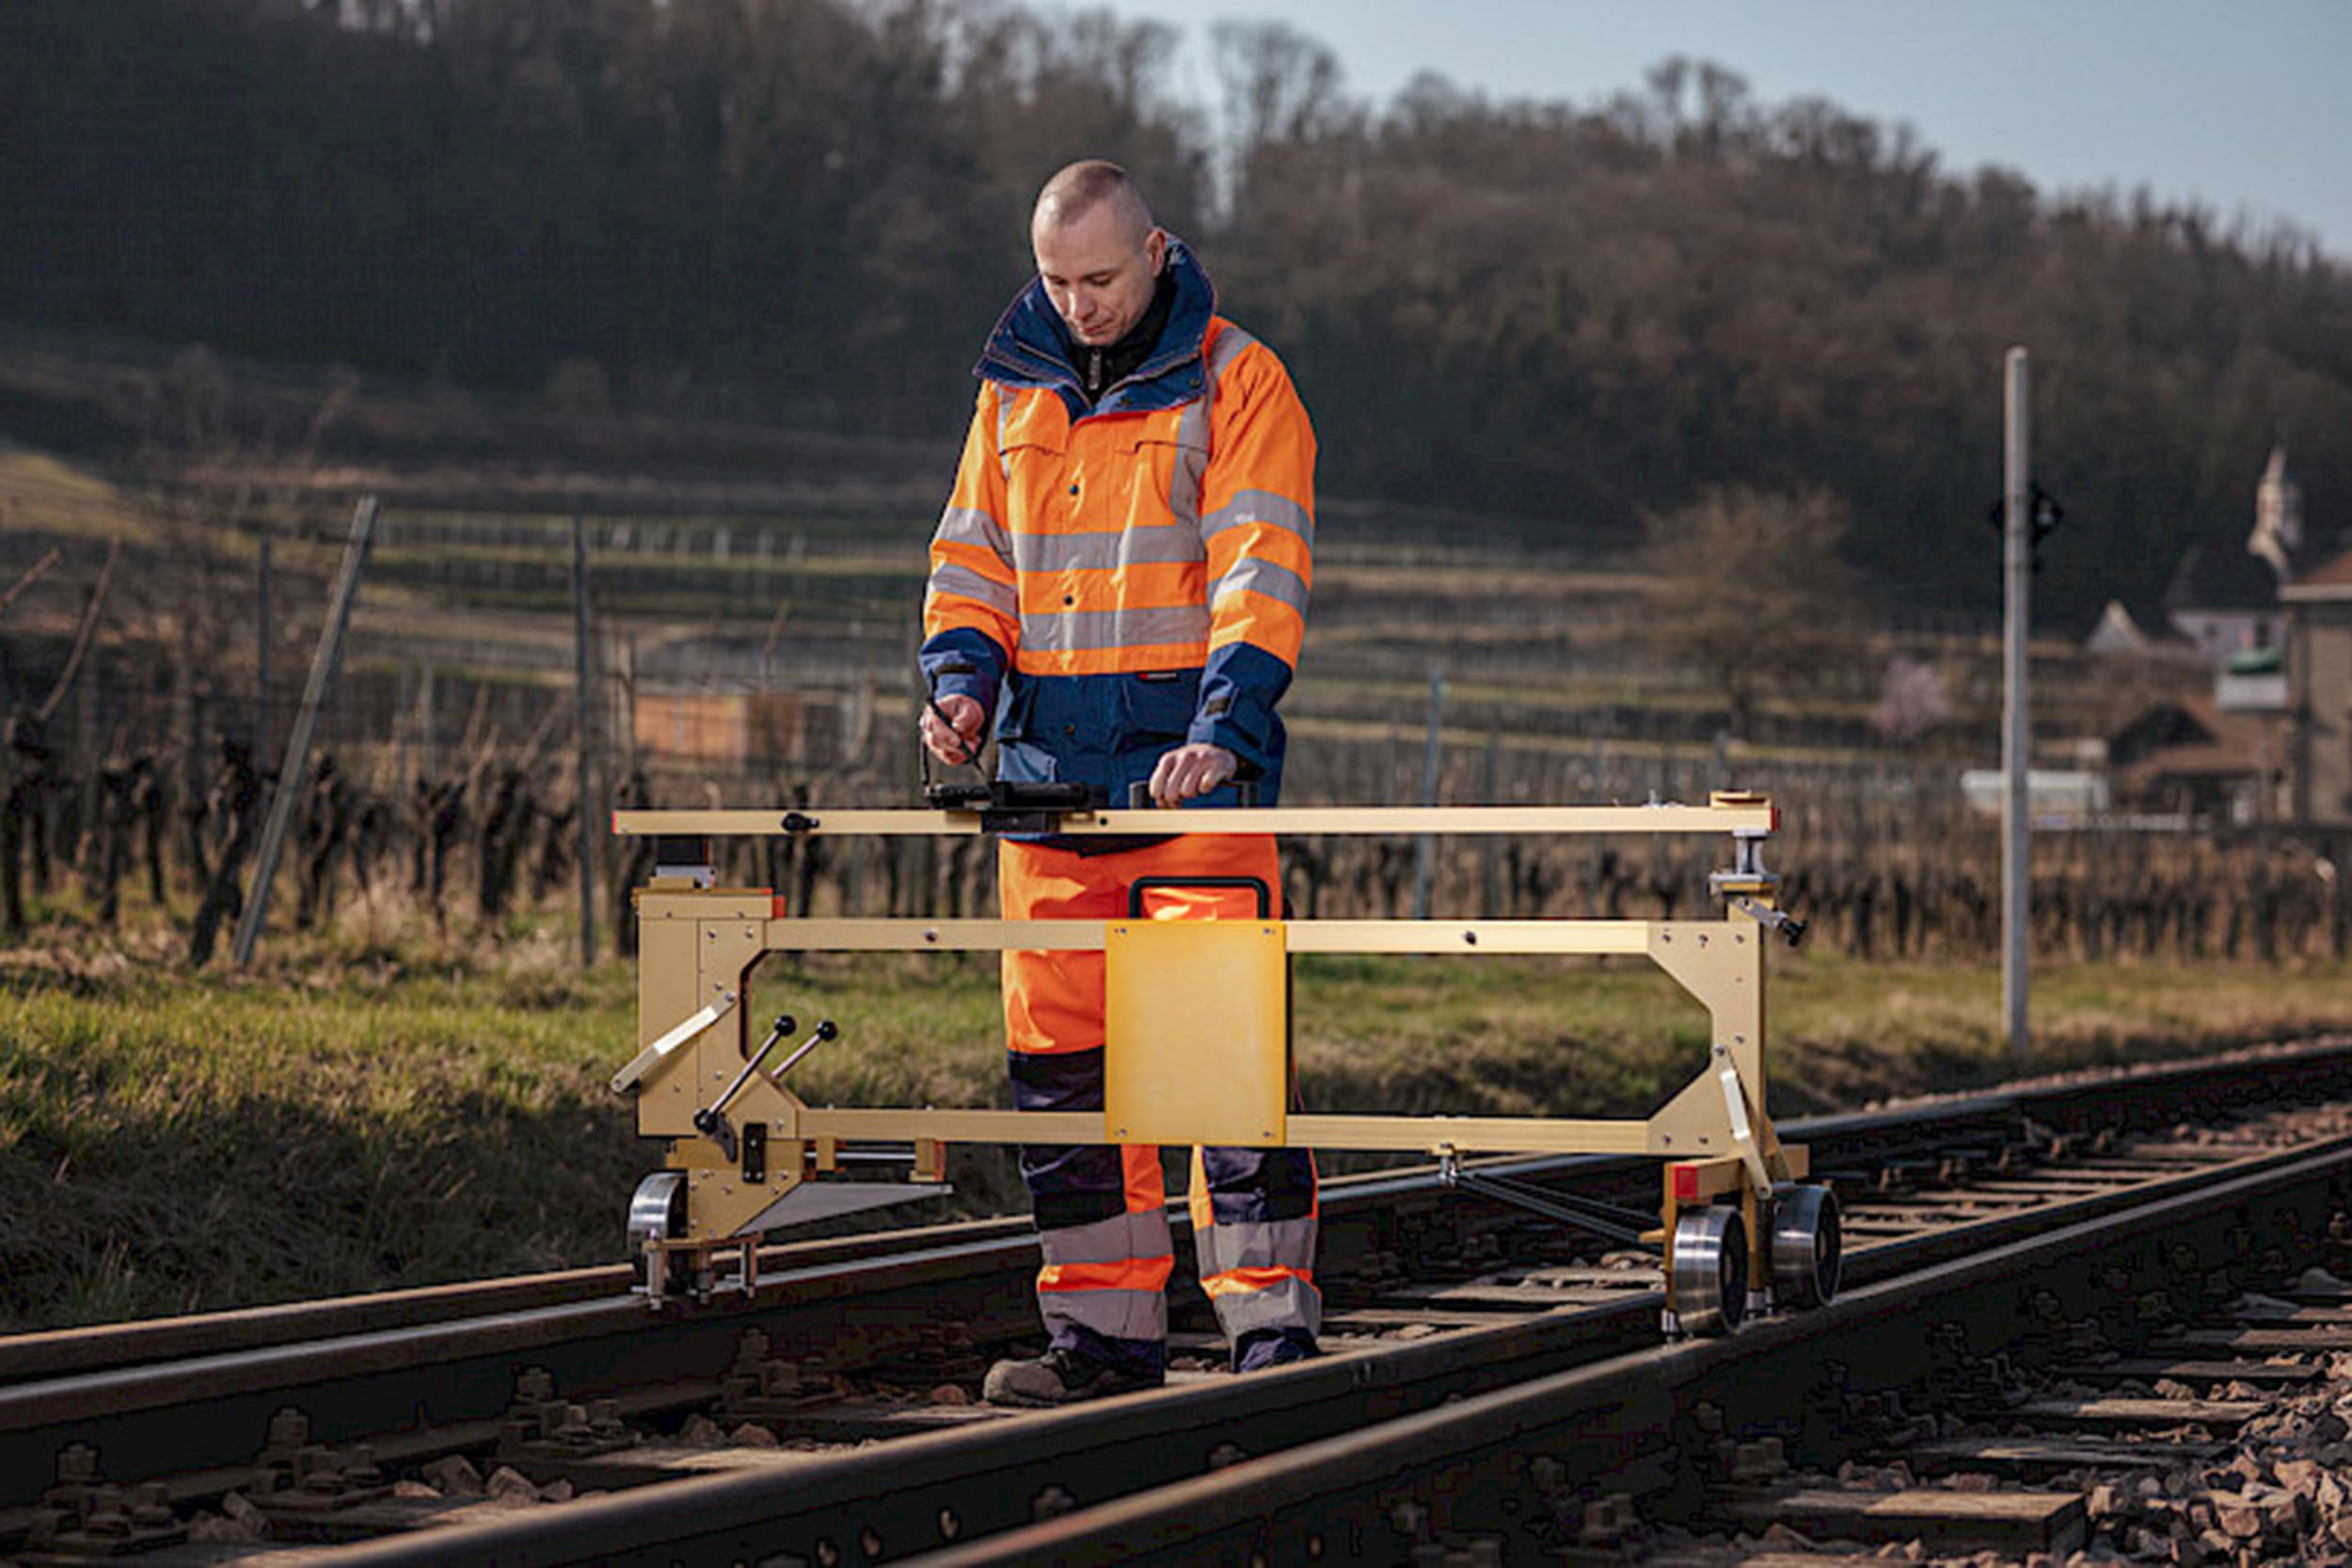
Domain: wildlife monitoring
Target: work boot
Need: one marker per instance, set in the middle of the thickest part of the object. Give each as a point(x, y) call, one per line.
point(1059, 1377)
point(1262, 1348)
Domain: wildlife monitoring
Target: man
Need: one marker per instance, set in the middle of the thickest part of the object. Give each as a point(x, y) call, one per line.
point(1120, 582)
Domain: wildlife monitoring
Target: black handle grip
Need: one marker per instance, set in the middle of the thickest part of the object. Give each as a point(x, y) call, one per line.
point(1139, 793)
point(716, 1127)
point(1137, 889)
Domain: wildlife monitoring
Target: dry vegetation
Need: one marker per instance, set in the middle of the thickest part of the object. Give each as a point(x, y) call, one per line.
point(416, 1060)
point(361, 1114)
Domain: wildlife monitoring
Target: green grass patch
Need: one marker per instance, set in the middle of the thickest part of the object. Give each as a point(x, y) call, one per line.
point(45, 494)
point(364, 1114)
point(1583, 1036)
point(168, 1144)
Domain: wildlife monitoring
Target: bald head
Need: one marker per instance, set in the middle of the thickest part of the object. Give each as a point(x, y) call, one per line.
point(1083, 187)
point(1098, 252)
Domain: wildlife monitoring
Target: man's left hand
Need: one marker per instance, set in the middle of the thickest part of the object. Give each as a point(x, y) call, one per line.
point(1191, 771)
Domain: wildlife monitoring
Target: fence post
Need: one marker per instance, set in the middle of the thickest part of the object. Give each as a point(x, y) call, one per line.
point(263, 634)
point(583, 668)
point(289, 786)
point(428, 725)
point(1426, 848)
point(1489, 864)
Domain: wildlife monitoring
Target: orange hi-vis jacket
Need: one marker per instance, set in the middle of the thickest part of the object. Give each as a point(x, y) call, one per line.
point(1111, 582)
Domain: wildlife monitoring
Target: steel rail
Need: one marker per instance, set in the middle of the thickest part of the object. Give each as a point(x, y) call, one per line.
point(209, 1411)
point(206, 1406)
point(1274, 1508)
point(2159, 1090)
point(105, 1347)
point(206, 1411)
point(1344, 1413)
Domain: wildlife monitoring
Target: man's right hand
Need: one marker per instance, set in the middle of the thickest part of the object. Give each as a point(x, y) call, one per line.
point(961, 743)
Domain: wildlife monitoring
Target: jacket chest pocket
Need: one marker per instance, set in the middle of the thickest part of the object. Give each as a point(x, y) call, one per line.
point(1168, 469)
point(1032, 446)
point(1037, 481)
point(1032, 468)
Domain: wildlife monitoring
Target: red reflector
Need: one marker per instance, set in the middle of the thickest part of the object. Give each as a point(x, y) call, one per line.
point(776, 907)
point(1686, 1184)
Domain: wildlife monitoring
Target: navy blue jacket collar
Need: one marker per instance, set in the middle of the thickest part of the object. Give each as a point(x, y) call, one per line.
point(1026, 348)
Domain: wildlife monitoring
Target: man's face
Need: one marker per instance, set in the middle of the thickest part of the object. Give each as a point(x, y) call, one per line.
point(1098, 279)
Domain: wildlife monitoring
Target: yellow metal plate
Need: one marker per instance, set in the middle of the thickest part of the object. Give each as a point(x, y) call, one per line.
point(1196, 1047)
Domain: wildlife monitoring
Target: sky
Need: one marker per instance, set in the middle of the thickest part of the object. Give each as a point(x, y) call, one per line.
point(2243, 106)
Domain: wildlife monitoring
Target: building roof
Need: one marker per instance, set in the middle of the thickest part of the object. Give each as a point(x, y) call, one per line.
point(2191, 739)
point(2116, 633)
point(2331, 579)
point(2221, 578)
point(2163, 727)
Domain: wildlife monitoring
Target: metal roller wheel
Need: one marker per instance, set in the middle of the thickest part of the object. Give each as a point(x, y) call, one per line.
point(1807, 1245)
point(657, 1211)
point(1710, 1272)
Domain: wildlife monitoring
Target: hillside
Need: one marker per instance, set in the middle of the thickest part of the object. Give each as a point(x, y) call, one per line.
point(1546, 318)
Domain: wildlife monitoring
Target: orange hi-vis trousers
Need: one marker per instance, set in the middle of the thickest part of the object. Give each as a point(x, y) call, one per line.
point(1102, 1210)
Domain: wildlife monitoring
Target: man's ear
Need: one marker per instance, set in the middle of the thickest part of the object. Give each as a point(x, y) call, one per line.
point(1155, 247)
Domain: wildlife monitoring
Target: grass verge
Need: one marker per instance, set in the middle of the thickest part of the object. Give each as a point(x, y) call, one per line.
point(354, 1119)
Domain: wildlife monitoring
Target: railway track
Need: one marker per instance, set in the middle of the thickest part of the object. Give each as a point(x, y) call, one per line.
point(1498, 1387)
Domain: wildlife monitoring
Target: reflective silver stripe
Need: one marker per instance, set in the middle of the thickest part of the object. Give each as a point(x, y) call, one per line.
point(1256, 1245)
point(1143, 545)
point(1264, 507)
point(1118, 1314)
point(1292, 1304)
point(1190, 465)
point(1192, 425)
point(969, 525)
point(1121, 1238)
point(1253, 576)
point(967, 583)
point(1085, 631)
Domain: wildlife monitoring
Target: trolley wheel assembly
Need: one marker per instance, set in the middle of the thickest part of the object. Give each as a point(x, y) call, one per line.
point(1807, 1245)
point(1710, 1271)
point(656, 1212)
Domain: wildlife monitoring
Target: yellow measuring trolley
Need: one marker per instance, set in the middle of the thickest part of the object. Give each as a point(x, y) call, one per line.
point(1196, 1047)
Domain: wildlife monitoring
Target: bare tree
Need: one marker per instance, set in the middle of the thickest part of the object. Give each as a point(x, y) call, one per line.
point(1281, 88)
point(1751, 589)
